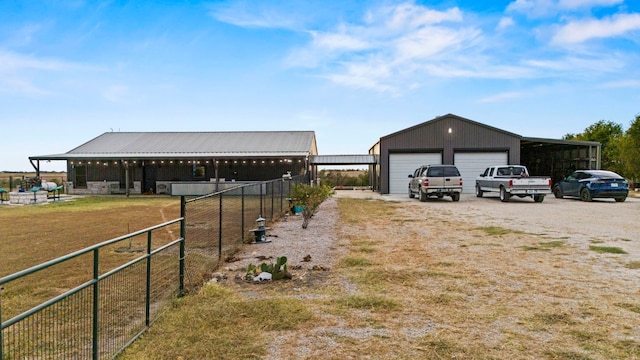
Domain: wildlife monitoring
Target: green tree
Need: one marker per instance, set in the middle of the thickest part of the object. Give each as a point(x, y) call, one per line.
point(630, 150)
point(609, 135)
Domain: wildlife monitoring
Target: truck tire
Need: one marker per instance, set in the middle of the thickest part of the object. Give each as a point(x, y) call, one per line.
point(538, 198)
point(423, 196)
point(411, 196)
point(478, 191)
point(455, 196)
point(504, 195)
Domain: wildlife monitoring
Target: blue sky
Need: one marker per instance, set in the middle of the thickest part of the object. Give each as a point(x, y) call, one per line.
point(352, 71)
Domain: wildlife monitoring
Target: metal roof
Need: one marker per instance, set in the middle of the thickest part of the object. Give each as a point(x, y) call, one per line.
point(343, 159)
point(559, 141)
point(119, 145)
point(451, 116)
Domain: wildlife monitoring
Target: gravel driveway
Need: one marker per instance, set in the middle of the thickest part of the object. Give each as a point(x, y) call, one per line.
point(603, 220)
point(523, 283)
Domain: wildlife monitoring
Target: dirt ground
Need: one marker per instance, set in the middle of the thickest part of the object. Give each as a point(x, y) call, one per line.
point(603, 220)
point(480, 291)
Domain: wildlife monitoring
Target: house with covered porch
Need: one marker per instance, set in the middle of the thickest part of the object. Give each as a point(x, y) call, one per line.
point(149, 162)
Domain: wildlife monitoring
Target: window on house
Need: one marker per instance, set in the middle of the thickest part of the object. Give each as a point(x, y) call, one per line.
point(199, 171)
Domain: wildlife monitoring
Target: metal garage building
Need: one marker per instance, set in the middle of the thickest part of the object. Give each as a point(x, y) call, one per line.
point(472, 146)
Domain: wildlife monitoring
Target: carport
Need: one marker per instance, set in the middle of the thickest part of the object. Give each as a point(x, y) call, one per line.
point(558, 158)
point(330, 160)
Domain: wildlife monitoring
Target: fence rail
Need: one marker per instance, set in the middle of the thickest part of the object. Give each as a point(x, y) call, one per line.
point(104, 314)
point(100, 317)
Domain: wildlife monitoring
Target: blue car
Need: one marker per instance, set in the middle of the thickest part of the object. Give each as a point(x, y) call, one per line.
point(590, 184)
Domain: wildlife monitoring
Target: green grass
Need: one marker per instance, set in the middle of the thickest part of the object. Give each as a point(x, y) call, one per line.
point(545, 246)
point(498, 231)
point(219, 323)
point(371, 302)
point(607, 249)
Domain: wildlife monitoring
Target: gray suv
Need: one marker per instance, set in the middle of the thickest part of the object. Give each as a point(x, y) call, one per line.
point(435, 181)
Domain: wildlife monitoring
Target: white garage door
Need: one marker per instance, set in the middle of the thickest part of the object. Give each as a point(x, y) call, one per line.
point(473, 164)
point(401, 165)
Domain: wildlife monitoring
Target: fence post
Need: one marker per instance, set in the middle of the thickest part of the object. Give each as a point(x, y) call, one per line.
point(241, 215)
point(183, 214)
point(260, 186)
point(96, 313)
point(147, 305)
point(1, 328)
point(220, 229)
point(272, 199)
point(281, 196)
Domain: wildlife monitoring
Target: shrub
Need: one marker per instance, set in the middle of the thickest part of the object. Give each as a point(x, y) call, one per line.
point(309, 198)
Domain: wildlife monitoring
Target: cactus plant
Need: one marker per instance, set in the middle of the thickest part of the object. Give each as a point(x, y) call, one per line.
point(277, 269)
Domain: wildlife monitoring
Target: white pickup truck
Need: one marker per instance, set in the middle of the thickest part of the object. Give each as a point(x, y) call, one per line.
point(512, 180)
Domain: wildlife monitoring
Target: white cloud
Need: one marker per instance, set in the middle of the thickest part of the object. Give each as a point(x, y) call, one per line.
point(13, 84)
point(544, 8)
point(584, 30)
point(622, 84)
point(582, 65)
point(372, 75)
point(533, 8)
point(388, 47)
point(338, 41)
point(409, 15)
point(251, 15)
point(16, 72)
point(20, 73)
point(505, 22)
point(510, 95)
point(431, 41)
point(581, 4)
point(11, 62)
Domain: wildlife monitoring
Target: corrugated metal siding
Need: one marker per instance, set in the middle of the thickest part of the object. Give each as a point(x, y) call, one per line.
point(433, 135)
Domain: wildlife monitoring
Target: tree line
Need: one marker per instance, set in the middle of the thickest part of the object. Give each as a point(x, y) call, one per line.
point(620, 148)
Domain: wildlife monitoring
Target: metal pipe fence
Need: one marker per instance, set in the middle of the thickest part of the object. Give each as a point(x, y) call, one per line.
point(100, 317)
point(124, 289)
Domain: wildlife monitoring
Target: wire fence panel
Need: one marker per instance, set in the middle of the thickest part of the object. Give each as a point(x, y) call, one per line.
point(120, 286)
point(100, 317)
point(219, 222)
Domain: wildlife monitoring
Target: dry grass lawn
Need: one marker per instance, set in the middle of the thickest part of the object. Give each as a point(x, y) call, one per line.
point(412, 284)
point(34, 234)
